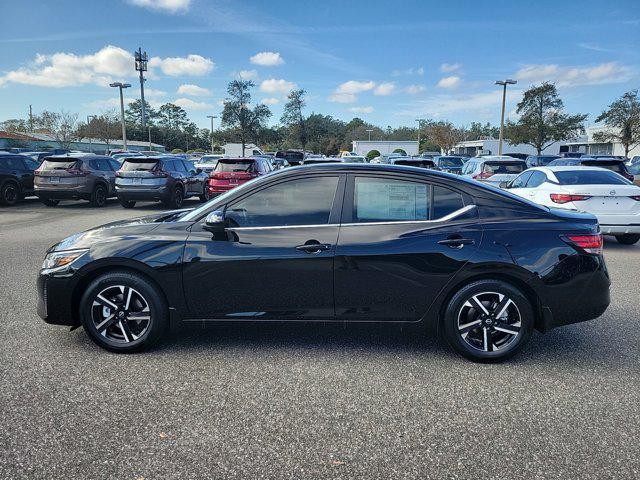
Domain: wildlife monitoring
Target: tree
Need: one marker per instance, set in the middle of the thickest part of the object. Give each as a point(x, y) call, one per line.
point(478, 131)
point(293, 118)
point(542, 121)
point(238, 114)
point(622, 120)
point(15, 125)
point(133, 113)
point(62, 126)
point(443, 134)
point(105, 127)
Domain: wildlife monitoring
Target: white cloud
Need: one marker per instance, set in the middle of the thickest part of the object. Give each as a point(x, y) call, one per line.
point(353, 86)
point(270, 101)
point(414, 89)
point(189, 104)
point(248, 74)
point(171, 6)
point(572, 76)
point(193, 90)
point(385, 89)
point(450, 67)
point(408, 71)
point(277, 86)
point(449, 82)
point(153, 92)
point(68, 69)
point(361, 109)
point(267, 59)
point(343, 97)
point(191, 65)
point(106, 103)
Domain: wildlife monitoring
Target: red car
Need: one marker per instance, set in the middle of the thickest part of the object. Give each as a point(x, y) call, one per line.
point(231, 172)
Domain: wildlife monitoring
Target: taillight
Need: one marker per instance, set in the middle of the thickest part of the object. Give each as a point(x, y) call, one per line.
point(589, 243)
point(628, 176)
point(76, 171)
point(160, 173)
point(636, 198)
point(483, 175)
point(37, 172)
point(216, 176)
point(566, 198)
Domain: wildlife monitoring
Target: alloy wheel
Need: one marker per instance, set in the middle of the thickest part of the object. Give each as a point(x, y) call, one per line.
point(121, 314)
point(489, 321)
point(10, 194)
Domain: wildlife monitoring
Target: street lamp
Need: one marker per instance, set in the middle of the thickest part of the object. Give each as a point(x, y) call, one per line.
point(212, 117)
point(89, 118)
point(504, 84)
point(369, 130)
point(419, 120)
point(121, 85)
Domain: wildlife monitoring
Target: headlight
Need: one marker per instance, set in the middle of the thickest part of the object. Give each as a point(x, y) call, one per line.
point(56, 261)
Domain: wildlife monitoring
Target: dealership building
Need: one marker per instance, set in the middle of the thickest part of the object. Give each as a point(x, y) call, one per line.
point(363, 147)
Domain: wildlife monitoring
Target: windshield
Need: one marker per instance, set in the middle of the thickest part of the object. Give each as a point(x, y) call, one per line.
point(504, 167)
point(590, 177)
point(62, 164)
point(450, 162)
point(138, 165)
point(234, 165)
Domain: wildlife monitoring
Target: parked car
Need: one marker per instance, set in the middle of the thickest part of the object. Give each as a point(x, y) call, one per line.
point(361, 242)
point(354, 159)
point(429, 155)
point(122, 155)
point(231, 172)
point(82, 176)
point(572, 154)
point(207, 163)
point(38, 156)
point(634, 160)
point(449, 163)
point(613, 164)
point(16, 177)
point(493, 169)
point(315, 161)
point(612, 199)
point(414, 162)
point(540, 160)
point(387, 158)
point(635, 171)
point(279, 163)
point(169, 179)
point(293, 157)
point(519, 156)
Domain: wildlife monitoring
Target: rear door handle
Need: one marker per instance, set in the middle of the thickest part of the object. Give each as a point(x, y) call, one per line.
point(456, 242)
point(313, 247)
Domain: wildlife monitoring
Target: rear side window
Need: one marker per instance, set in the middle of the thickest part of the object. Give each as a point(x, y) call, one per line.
point(445, 202)
point(384, 200)
point(11, 164)
point(305, 201)
point(135, 165)
point(469, 167)
point(590, 177)
point(179, 165)
point(536, 179)
point(57, 164)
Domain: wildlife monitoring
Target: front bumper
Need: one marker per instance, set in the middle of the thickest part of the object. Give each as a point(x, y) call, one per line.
point(57, 286)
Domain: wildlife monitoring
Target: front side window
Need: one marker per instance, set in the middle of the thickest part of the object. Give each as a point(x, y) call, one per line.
point(382, 200)
point(305, 201)
point(520, 181)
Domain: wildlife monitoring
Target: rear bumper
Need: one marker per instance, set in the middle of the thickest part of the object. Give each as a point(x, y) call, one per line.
point(619, 229)
point(72, 192)
point(146, 193)
point(222, 188)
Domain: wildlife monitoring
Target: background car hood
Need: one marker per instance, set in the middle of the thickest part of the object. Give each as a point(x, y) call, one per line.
point(117, 230)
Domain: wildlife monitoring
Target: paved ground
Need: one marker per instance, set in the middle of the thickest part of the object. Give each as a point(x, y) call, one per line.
point(306, 401)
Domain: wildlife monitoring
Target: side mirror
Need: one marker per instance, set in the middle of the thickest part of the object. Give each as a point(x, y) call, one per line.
point(198, 170)
point(214, 222)
point(504, 185)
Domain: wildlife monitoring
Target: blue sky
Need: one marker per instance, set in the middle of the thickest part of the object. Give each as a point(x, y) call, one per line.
point(386, 62)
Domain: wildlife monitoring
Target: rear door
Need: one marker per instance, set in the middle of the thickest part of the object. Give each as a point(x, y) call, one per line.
point(401, 240)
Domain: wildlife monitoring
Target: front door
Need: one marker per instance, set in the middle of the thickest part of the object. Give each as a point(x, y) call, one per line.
point(275, 260)
point(402, 239)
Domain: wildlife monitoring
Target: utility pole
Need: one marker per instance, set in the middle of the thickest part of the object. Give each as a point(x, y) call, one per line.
point(211, 133)
point(30, 119)
point(419, 125)
point(141, 66)
point(504, 84)
point(150, 138)
point(121, 86)
point(89, 118)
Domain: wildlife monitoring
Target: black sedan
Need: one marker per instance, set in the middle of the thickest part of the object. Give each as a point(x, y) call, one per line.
point(339, 242)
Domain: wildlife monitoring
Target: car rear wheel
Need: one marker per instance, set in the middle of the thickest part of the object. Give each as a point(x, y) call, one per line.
point(488, 321)
point(50, 202)
point(10, 193)
point(176, 197)
point(99, 196)
point(628, 238)
point(123, 312)
point(127, 203)
point(206, 195)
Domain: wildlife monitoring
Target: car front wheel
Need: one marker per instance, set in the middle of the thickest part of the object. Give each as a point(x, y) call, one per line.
point(99, 196)
point(123, 312)
point(10, 193)
point(176, 198)
point(488, 321)
point(628, 238)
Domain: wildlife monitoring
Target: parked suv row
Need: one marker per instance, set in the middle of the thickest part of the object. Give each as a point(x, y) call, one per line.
point(16, 177)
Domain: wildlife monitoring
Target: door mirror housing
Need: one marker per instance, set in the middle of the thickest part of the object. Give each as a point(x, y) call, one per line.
point(198, 170)
point(214, 222)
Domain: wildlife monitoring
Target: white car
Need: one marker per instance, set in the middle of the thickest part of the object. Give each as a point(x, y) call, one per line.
point(493, 169)
point(613, 199)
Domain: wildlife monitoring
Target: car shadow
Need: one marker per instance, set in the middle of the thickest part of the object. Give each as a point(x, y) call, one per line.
point(31, 202)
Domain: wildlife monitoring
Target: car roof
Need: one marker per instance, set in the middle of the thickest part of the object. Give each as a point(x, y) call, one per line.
point(493, 158)
point(76, 156)
point(568, 168)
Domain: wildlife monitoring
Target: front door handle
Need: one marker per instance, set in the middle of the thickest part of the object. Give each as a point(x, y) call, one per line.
point(456, 242)
point(313, 247)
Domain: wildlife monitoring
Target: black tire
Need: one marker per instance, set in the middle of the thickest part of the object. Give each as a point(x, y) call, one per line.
point(94, 316)
point(176, 198)
point(206, 195)
point(628, 238)
point(127, 203)
point(9, 193)
point(99, 196)
point(496, 345)
point(49, 202)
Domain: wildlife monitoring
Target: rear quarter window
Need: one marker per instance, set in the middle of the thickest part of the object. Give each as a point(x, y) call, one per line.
point(445, 202)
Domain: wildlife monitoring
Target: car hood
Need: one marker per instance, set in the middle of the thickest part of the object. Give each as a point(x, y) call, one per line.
point(119, 230)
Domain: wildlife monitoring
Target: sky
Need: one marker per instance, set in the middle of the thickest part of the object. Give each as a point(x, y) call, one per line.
point(387, 62)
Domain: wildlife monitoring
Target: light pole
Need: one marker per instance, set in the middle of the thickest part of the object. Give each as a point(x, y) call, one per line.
point(504, 84)
point(369, 130)
point(418, 120)
point(141, 66)
point(89, 118)
point(211, 133)
point(121, 85)
point(150, 138)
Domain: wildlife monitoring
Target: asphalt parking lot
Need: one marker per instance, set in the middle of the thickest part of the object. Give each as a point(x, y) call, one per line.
point(306, 401)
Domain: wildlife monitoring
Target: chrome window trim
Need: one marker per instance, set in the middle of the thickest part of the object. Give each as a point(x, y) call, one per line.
point(451, 216)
